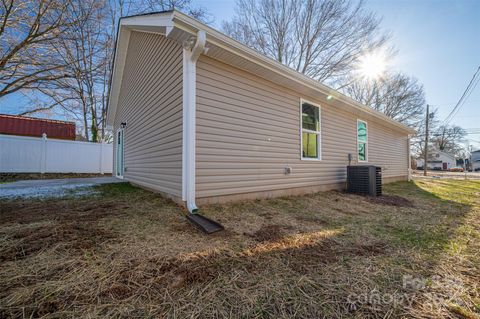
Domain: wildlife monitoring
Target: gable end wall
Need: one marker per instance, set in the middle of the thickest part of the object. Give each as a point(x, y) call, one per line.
point(150, 102)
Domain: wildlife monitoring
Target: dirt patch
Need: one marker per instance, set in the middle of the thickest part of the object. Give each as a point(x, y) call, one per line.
point(117, 291)
point(270, 233)
point(391, 200)
point(188, 274)
point(70, 227)
point(309, 258)
point(73, 238)
point(24, 212)
point(163, 273)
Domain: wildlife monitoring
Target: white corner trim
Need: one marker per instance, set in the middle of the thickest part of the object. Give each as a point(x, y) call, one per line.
point(409, 159)
point(190, 57)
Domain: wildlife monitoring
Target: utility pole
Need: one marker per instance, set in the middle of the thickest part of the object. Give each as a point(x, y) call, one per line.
point(425, 153)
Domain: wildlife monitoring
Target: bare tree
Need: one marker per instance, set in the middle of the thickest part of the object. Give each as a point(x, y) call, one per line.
point(187, 6)
point(319, 38)
point(29, 30)
point(396, 95)
point(449, 138)
point(417, 143)
point(443, 137)
point(84, 52)
point(325, 39)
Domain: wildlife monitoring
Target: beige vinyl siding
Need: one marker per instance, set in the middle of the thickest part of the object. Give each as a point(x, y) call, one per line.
point(248, 130)
point(150, 103)
point(388, 150)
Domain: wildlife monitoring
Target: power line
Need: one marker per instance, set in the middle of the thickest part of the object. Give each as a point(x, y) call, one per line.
point(447, 104)
point(470, 87)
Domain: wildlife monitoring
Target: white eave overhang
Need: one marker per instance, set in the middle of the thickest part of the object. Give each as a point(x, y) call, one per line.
point(180, 27)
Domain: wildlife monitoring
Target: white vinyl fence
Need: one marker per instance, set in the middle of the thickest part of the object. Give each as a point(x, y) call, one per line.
point(22, 154)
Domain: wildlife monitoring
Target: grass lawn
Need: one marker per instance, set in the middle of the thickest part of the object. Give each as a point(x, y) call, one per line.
point(130, 253)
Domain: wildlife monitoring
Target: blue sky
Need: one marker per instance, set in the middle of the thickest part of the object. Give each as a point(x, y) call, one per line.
point(438, 43)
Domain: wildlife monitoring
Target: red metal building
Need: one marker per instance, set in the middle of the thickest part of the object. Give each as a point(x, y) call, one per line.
point(29, 126)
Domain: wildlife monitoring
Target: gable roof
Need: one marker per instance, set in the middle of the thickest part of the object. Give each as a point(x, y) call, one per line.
point(180, 27)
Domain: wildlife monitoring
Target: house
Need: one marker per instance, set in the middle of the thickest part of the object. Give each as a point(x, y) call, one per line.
point(438, 160)
point(202, 119)
point(475, 160)
point(35, 127)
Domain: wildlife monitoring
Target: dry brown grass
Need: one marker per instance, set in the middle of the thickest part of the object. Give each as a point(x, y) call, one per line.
point(13, 177)
point(130, 253)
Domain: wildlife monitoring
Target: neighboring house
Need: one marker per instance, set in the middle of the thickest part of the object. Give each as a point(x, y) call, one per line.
point(475, 158)
point(202, 118)
point(35, 127)
point(438, 160)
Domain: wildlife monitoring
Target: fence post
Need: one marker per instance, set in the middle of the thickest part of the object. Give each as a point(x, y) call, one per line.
point(101, 157)
point(43, 157)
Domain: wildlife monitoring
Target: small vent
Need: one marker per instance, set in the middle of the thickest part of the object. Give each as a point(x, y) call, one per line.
point(365, 180)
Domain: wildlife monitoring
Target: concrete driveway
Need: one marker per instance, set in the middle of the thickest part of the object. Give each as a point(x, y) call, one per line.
point(42, 188)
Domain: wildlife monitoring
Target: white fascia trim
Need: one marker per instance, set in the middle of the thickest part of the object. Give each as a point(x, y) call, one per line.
point(190, 57)
point(152, 20)
point(119, 59)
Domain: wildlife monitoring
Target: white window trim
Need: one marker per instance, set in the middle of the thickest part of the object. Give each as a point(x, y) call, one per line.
point(123, 153)
point(319, 133)
point(366, 146)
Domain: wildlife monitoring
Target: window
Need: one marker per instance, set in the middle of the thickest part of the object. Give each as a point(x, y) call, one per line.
point(310, 125)
point(362, 141)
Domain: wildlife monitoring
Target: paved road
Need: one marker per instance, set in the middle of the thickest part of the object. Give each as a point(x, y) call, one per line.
point(53, 187)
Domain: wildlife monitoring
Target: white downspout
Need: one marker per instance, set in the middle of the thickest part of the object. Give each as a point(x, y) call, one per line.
point(190, 57)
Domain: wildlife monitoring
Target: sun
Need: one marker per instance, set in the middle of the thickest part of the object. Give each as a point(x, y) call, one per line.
point(372, 65)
